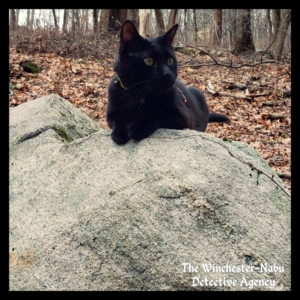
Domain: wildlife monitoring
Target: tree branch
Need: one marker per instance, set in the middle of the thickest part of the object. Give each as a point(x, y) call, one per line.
point(229, 65)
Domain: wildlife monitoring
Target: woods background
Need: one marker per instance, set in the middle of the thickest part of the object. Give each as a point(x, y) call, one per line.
point(236, 30)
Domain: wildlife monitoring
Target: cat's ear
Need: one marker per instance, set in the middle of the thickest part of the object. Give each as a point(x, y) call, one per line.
point(170, 34)
point(128, 33)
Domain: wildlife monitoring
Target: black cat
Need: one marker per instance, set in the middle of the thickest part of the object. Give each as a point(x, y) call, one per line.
point(145, 95)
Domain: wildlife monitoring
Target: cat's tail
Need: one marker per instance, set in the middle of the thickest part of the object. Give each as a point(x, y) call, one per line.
point(217, 118)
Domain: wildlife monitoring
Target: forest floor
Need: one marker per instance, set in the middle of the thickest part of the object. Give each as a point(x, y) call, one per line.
point(254, 98)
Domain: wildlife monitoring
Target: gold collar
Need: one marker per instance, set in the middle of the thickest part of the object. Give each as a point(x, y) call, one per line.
point(121, 84)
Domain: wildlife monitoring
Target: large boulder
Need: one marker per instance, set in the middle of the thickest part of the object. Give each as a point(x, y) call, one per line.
point(180, 210)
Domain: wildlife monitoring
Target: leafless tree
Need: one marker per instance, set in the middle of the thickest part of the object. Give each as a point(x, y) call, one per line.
point(104, 19)
point(77, 19)
point(172, 18)
point(17, 16)
point(73, 21)
point(122, 16)
point(144, 22)
point(285, 19)
point(133, 15)
point(115, 18)
point(32, 19)
point(65, 21)
point(159, 21)
point(218, 27)
point(55, 19)
point(269, 23)
point(12, 19)
point(195, 26)
point(83, 20)
point(185, 19)
point(276, 20)
point(245, 41)
point(95, 21)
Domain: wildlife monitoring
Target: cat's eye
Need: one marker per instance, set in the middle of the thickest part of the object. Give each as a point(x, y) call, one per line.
point(148, 61)
point(170, 61)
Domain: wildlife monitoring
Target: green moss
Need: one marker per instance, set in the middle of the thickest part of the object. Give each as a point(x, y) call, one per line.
point(64, 115)
point(31, 67)
point(62, 133)
point(225, 139)
point(92, 131)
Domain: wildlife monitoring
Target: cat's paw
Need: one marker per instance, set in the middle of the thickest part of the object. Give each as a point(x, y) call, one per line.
point(120, 136)
point(139, 130)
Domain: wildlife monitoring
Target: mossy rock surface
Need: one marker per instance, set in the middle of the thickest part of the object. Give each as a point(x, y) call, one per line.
point(31, 67)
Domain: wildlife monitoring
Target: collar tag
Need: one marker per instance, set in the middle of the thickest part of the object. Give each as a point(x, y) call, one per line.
point(184, 98)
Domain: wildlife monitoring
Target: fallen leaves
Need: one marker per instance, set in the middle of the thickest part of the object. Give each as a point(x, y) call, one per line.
point(83, 82)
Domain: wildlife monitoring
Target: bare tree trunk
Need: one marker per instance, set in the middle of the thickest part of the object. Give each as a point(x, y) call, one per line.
point(104, 19)
point(211, 28)
point(195, 26)
point(184, 19)
point(133, 15)
point(159, 21)
point(122, 17)
point(87, 21)
point(37, 23)
point(172, 18)
point(218, 27)
point(277, 49)
point(12, 19)
point(231, 29)
point(77, 20)
point(84, 17)
point(55, 19)
point(73, 22)
point(28, 18)
point(276, 20)
point(32, 19)
point(95, 21)
point(116, 17)
point(234, 30)
point(17, 17)
point(245, 43)
point(65, 22)
point(113, 19)
point(269, 22)
point(144, 22)
point(187, 24)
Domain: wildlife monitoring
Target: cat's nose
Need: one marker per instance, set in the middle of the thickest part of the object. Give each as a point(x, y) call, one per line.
point(166, 75)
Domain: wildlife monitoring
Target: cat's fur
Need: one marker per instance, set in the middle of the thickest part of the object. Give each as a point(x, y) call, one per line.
point(143, 98)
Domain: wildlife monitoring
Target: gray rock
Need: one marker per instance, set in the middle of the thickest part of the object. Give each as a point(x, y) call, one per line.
point(87, 214)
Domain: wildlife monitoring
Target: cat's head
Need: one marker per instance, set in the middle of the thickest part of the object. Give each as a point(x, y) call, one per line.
point(147, 65)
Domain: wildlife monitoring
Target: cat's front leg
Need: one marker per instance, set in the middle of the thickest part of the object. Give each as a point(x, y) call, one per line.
point(120, 135)
point(119, 125)
point(141, 129)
